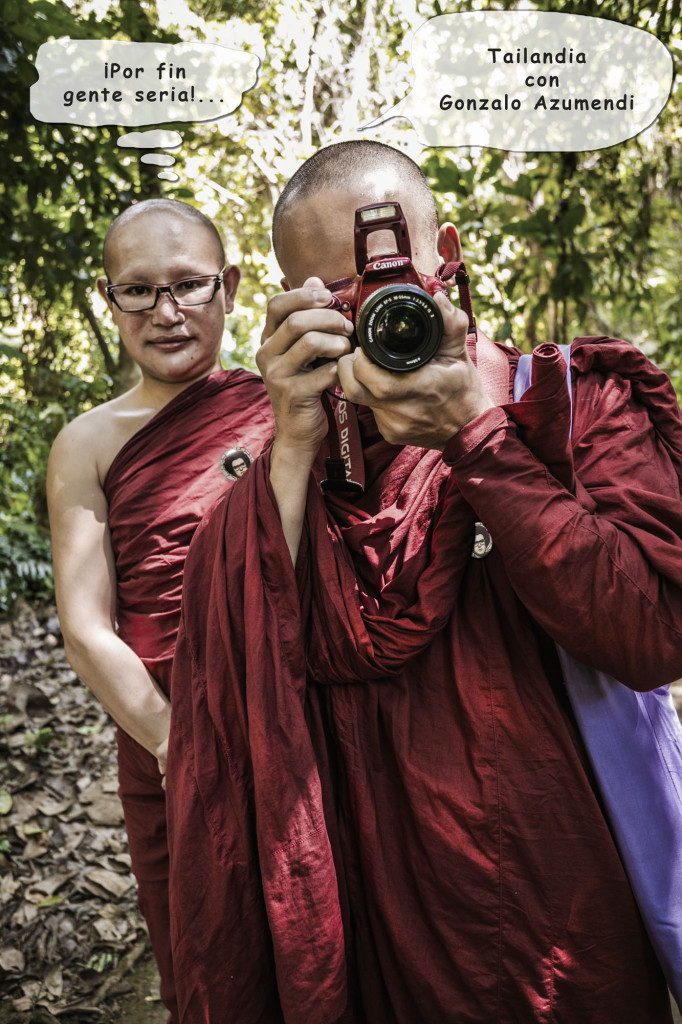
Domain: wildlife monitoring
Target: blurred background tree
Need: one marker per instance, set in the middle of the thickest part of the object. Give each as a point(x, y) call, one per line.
point(557, 245)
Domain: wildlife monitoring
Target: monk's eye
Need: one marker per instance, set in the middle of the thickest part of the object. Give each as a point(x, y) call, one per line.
point(194, 284)
point(137, 291)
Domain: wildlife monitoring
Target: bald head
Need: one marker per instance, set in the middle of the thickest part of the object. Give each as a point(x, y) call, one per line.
point(351, 167)
point(314, 220)
point(161, 207)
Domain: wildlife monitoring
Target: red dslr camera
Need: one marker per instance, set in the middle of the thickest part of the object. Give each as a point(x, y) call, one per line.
point(397, 323)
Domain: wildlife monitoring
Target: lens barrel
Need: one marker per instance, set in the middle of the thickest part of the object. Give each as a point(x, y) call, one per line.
point(399, 327)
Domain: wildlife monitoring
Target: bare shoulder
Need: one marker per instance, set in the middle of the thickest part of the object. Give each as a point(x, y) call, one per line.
point(85, 448)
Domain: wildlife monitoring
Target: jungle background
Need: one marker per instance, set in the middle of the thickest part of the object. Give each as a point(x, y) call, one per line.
point(557, 245)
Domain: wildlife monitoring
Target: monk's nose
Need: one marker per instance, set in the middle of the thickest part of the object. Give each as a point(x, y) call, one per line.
point(167, 310)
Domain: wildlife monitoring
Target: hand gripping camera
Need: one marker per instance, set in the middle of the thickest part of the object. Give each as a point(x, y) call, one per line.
point(397, 323)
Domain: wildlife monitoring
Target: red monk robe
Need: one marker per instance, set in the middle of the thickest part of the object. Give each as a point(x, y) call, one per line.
point(158, 487)
point(404, 829)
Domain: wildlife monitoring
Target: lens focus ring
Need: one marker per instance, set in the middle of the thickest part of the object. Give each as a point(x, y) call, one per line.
point(399, 327)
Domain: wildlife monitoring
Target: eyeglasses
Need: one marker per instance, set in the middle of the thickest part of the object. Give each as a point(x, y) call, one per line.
point(138, 298)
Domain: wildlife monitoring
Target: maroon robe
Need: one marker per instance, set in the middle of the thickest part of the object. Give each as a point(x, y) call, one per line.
point(159, 486)
point(379, 808)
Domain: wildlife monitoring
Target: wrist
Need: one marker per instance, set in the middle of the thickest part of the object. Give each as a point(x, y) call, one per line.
point(293, 454)
point(474, 434)
point(466, 412)
point(290, 468)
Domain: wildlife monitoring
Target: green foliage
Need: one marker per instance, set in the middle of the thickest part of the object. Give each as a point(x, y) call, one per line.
point(101, 961)
point(62, 186)
point(39, 739)
point(37, 400)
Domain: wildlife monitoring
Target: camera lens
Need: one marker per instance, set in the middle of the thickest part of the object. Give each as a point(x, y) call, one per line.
point(400, 327)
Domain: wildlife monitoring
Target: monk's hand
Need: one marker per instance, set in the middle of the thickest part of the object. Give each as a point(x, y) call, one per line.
point(428, 406)
point(162, 755)
point(299, 330)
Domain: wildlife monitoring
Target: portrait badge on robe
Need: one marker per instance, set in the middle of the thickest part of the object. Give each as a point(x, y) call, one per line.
point(483, 542)
point(235, 462)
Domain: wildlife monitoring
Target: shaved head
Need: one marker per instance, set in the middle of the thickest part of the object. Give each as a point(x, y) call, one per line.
point(314, 220)
point(342, 168)
point(168, 207)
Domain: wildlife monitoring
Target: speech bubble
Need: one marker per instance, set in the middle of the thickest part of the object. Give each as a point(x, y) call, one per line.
point(533, 81)
point(108, 81)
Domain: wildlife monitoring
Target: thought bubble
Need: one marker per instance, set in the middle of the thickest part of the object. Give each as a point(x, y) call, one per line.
point(156, 138)
point(533, 82)
point(105, 81)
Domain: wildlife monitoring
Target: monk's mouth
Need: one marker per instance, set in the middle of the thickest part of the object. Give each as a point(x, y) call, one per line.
point(177, 341)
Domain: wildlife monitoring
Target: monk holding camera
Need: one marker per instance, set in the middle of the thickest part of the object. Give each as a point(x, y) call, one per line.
point(381, 810)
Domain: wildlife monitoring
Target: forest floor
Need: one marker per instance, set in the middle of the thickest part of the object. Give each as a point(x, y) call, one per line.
point(73, 947)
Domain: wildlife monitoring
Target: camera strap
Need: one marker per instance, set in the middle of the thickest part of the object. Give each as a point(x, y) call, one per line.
point(446, 272)
point(345, 464)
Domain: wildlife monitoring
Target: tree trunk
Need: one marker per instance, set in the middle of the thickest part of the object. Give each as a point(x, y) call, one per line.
point(126, 374)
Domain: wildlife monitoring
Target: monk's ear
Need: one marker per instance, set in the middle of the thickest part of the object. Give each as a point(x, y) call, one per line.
point(286, 287)
point(102, 289)
point(449, 248)
point(231, 279)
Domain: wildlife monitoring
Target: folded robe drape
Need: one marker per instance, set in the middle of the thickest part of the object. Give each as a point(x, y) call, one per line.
point(158, 488)
point(405, 829)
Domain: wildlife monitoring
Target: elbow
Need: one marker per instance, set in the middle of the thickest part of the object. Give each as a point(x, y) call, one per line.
point(76, 649)
point(646, 673)
point(81, 646)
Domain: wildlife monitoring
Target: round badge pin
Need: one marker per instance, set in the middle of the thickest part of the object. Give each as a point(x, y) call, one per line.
point(483, 542)
point(235, 462)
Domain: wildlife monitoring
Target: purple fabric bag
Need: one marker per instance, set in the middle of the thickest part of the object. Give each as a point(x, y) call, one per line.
point(634, 742)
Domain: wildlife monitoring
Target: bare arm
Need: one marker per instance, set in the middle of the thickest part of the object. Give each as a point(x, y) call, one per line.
point(85, 583)
point(298, 331)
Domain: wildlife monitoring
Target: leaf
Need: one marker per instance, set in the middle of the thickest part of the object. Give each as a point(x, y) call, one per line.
point(5, 802)
point(23, 1004)
point(100, 962)
point(106, 930)
point(13, 352)
point(53, 808)
point(569, 221)
point(11, 959)
point(110, 881)
point(51, 901)
point(54, 981)
point(47, 887)
point(8, 886)
point(491, 246)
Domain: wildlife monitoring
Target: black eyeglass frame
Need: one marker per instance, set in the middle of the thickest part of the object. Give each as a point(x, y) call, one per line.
point(162, 289)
